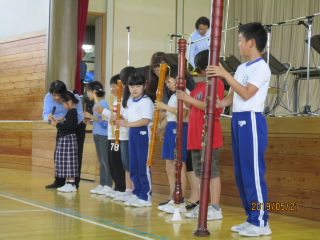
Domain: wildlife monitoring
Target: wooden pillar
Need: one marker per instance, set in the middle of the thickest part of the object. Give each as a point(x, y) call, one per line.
point(62, 42)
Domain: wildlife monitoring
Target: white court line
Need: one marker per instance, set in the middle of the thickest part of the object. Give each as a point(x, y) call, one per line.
point(75, 217)
point(19, 211)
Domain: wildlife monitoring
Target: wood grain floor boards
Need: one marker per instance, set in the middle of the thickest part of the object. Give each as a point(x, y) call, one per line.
point(29, 211)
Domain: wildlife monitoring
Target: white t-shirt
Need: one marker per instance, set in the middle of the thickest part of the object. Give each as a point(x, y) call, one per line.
point(258, 74)
point(173, 102)
point(124, 132)
point(138, 109)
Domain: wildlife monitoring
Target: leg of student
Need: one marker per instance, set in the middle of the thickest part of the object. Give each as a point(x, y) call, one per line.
point(116, 167)
point(170, 169)
point(194, 184)
point(252, 149)
point(215, 182)
point(101, 143)
point(124, 148)
point(236, 140)
point(144, 170)
point(81, 134)
point(134, 159)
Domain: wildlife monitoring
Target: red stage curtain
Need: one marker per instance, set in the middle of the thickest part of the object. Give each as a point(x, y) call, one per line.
point(82, 24)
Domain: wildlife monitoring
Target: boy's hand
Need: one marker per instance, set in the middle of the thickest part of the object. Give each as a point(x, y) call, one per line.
point(122, 123)
point(99, 109)
point(159, 105)
point(217, 71)
point(182, 95)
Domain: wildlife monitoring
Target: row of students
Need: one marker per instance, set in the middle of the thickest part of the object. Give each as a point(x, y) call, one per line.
point(249, 132)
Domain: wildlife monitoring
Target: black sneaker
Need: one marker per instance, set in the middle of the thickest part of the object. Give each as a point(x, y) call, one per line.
point(53, 185)
point(191, 205)
point(163, 203)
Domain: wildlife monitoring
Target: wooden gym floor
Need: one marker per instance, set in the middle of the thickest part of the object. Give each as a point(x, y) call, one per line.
point(29, 211)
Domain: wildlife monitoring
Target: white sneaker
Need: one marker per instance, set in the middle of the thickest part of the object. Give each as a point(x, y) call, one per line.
point(104, 190)
point(161, 207)
point(131, 199)
point(255, 231)
point(94, 191)
point(214, 214)
point(141, 203)
point(240, 227)
point(123, 197)
point(67, 188)
point(169, 208)
point(117, 194)
point(110, 193)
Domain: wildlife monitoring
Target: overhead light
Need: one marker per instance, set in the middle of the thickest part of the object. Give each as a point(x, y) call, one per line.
point(88, 48)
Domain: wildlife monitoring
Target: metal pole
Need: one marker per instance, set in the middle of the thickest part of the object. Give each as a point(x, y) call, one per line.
point(128, 61)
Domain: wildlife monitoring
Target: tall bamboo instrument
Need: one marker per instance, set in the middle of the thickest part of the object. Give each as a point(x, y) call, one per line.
point(119, 100)
point(180, 85)
point(162, 78)
point(210, 113)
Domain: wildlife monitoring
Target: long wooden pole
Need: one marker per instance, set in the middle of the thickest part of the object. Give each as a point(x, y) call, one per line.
point(210, 113)
point(180, 85)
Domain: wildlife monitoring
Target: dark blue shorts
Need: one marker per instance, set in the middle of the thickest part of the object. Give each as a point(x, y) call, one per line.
point(169, 145)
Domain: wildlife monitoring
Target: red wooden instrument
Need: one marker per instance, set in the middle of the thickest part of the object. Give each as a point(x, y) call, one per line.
point(180, 85)
point(210, 113)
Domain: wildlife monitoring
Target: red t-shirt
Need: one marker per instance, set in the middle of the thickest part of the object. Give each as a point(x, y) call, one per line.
point(197, 121)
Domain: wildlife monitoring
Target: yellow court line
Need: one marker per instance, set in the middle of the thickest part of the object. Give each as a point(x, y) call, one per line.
point(79, 218)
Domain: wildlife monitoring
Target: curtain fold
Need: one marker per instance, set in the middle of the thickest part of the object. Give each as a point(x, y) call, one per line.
point(82, 23)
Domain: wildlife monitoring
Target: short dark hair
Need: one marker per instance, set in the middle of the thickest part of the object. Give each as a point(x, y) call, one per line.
point(57, 87)
point(114, 79)
point(256, 31)
point(125, 73)
point(202, 20)
point(95, 85)
point(201, 60)
point(67, 96)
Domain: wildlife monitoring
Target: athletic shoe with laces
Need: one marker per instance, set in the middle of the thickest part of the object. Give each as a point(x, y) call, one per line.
point(255, 231)
point(160, 207)
point(110, 193)
point(123, 197)
point(104, 190)
point(141, 203)
point(131, 199)
point(117, 193)
point(94, 191)
point(170, 208)
point(240, 227)
point(67, 188)
point(213, 214)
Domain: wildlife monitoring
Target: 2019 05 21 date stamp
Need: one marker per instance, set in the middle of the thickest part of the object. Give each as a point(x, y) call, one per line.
point(275, 206)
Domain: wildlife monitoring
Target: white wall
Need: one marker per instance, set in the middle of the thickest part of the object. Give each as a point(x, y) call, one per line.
point(23, 16)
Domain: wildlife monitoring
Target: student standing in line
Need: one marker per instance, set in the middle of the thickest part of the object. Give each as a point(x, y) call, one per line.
point(249, 127)
point(100, 136)
point(138, 117)
point(66, 154)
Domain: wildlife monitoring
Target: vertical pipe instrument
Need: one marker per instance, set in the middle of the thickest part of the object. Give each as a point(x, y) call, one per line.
point(119, 100)
point(112, 111)
point(162, 78)
point(180, 85)
point(210, 114)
